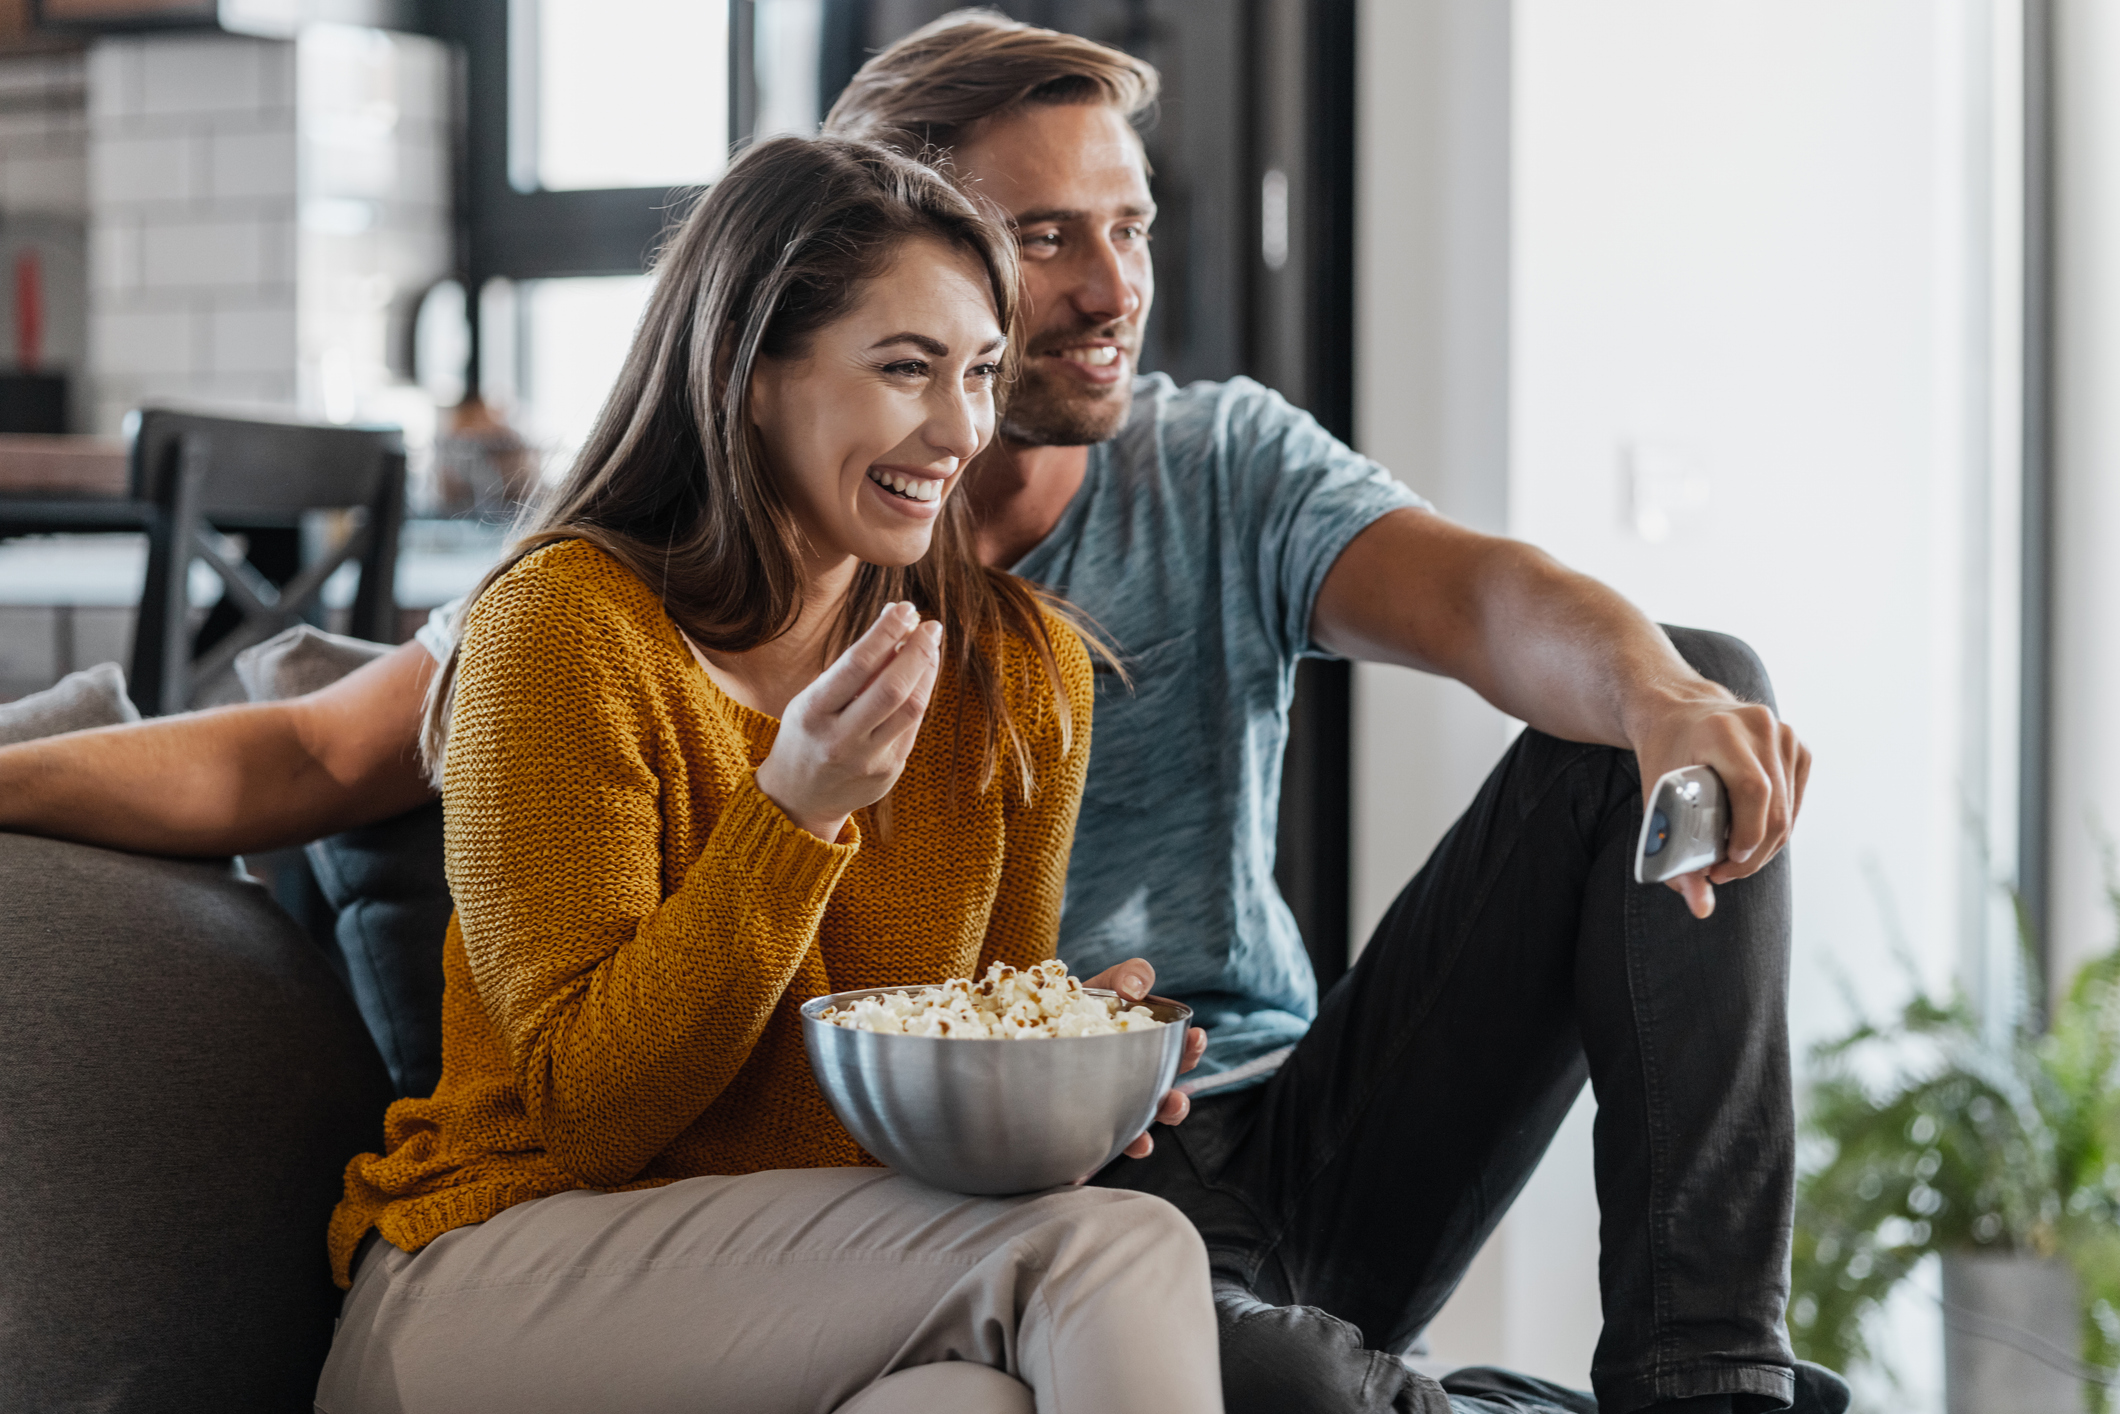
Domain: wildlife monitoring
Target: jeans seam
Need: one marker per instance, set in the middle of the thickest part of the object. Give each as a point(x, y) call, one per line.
point(1360, 1110)
point(1653, 1101)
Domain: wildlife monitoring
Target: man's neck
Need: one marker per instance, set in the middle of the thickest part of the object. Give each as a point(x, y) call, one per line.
point(1020, 494)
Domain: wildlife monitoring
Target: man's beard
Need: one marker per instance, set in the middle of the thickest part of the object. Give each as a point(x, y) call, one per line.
point(1047, 408)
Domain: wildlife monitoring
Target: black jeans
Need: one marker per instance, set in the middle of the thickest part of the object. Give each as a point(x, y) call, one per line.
point(1349, 1193)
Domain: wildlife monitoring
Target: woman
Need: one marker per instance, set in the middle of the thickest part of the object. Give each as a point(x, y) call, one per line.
point(703, 760)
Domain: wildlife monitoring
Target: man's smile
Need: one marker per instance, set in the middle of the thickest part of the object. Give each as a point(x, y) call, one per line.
point(1091, 359)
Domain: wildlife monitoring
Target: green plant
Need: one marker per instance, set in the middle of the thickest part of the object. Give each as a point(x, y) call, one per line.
point(1925, 1135)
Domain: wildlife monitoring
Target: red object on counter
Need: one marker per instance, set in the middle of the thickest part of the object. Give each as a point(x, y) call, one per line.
point(29, 312)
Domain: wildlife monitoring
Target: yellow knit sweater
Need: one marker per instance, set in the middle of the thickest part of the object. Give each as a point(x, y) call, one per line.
point(637, 923)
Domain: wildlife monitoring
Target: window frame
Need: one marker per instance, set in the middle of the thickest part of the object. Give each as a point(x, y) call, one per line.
point(506, 233)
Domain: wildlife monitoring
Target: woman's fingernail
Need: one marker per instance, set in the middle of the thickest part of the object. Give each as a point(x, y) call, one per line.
point(1739, 856)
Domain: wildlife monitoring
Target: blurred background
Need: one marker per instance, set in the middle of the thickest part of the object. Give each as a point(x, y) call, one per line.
point(1796, 319)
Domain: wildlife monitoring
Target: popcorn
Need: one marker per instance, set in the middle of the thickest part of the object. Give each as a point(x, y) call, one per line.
point(1003, 1005)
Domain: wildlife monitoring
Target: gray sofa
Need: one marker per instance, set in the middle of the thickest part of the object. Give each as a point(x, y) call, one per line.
point(182, 1079)
point(184, 1072)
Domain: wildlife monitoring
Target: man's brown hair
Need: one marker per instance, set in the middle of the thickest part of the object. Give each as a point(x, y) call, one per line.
point(930, 89)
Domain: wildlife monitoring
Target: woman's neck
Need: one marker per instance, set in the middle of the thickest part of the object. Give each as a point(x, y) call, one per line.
point(766, 678)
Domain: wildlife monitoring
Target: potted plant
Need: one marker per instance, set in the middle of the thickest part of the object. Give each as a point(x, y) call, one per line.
point(1997, 1149)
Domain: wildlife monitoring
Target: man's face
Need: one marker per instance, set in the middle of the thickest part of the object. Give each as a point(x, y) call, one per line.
point(1074, 180)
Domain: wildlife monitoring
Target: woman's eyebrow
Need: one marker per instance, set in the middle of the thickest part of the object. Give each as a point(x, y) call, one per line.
point(933, 348)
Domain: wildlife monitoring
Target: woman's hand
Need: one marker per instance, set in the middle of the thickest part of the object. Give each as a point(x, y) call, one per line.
point(1132, 980)
point(844, 738)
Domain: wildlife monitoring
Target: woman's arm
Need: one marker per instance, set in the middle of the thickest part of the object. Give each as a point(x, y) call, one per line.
point(625, 1013)
point(235, 779)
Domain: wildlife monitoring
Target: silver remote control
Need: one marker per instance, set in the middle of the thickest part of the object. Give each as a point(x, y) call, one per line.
point(1685, 827)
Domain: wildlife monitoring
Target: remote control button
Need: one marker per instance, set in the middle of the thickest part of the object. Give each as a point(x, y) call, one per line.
point(1659, 831)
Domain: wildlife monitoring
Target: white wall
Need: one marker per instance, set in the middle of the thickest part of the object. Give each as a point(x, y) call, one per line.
point(1431, 390)
point(1759, 298)
point(2086, 645)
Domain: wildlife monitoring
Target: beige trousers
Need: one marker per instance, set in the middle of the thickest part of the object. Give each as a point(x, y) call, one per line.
point(802, 1291)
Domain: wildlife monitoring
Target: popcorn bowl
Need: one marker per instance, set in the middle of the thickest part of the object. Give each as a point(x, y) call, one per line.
point(994, 1116)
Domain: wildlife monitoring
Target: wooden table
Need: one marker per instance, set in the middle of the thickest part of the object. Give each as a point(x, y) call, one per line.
point(63, 468)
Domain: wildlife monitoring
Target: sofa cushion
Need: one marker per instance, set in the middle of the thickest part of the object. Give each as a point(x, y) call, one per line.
point(181, 1084)
point(385, 880)
point(93, 697)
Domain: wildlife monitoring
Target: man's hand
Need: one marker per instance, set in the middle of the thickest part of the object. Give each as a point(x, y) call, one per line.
point(1763, 766)
point(1133, 980)
point(1570, 657)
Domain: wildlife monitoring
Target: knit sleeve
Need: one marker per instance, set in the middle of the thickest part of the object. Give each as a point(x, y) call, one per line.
point(623, 1013)
point(1024, 927)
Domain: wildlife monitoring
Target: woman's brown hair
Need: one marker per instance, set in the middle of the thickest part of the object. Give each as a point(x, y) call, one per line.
point(674, 483)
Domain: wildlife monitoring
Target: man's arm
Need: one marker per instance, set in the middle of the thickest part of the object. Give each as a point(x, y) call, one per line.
point(233, 779)
point(1567, 655)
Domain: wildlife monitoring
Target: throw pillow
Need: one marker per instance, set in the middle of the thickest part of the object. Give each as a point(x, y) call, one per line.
point(385, 880)
point(93, 697)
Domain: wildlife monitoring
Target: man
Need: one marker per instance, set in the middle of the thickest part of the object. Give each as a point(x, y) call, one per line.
point(1344, 1163)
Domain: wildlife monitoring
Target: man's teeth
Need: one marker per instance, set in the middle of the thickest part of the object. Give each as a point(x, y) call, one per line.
point(913, 488)
point(1099, 356)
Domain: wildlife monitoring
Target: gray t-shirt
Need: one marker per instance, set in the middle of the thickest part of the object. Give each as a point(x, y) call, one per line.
point(1196, 545)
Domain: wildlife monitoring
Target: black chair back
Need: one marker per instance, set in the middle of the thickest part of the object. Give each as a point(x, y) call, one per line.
point(212, 476)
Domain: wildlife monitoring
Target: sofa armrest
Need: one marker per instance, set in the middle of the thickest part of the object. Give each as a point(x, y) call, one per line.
point(182, 1081)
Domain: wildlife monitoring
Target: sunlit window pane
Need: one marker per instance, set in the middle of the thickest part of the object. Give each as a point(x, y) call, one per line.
point(574, 335)
point(618, 93)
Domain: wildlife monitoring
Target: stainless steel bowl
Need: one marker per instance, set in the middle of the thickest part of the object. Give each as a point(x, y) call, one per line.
point(979, 1116)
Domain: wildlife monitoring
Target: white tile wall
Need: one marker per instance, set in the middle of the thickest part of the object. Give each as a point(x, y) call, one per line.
point(189, 158)
point(188, 255)
point(204, 155)
point(142, 343)
point(192, 215)
point(114, 255)
point(245, 341)
point(43, 135)
point(149, 168)
point(195, 75)
point(251, 164)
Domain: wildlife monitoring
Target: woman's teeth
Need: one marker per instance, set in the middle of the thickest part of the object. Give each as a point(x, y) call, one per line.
point(1099, 356)
point(913, 488)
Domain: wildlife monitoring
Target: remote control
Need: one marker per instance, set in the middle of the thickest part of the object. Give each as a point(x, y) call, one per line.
point(1685, 827)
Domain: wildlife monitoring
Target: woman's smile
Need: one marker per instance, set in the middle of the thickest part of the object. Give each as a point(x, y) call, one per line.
point(918, 493)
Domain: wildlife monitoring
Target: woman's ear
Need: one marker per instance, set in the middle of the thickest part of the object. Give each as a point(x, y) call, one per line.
point(764, 392)
point(724, 365)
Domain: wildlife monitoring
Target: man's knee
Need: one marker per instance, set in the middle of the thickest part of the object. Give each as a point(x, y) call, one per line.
point(1301, 1360)
point(1720, 658)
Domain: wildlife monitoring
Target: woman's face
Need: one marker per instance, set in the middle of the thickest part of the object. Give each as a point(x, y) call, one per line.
point(870, 430)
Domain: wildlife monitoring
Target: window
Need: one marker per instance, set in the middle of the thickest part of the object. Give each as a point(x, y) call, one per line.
point(617, 93)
